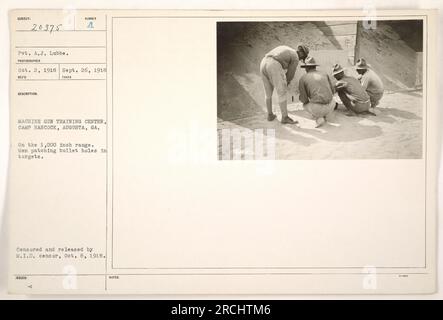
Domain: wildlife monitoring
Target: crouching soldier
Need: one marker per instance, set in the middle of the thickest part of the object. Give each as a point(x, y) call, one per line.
point(351, 92)
point(316, 92)
point(370, 81)
point(277, 70)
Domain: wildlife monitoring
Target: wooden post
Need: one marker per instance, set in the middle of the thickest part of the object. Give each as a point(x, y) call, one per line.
point(357, 42)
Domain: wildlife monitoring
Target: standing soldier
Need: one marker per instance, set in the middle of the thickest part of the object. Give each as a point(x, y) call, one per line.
point(277, 70)
point(370, 81)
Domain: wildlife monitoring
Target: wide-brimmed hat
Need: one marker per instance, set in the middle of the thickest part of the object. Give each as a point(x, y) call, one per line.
point(361, 64)
point(309, 62)
point(337, 69)
point(303, 49)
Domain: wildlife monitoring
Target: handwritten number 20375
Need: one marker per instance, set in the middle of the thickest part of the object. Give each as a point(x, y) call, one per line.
point(46, 27)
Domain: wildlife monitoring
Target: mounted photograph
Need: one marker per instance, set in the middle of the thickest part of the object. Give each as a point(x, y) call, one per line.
point(301, 90)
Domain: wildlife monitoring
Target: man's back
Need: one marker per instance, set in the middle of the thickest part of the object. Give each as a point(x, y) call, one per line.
point(285, 55)
point(371, 82)
point(315, 86)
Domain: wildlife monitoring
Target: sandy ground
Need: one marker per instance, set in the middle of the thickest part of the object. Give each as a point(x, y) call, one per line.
point(396, 133)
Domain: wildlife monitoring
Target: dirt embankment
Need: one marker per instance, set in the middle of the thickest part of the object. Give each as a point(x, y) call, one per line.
point(391, 57)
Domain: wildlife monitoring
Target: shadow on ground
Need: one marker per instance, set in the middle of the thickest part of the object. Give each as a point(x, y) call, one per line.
point(343, 129)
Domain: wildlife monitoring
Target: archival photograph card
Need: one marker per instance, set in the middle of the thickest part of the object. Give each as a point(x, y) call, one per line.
point(223, 152)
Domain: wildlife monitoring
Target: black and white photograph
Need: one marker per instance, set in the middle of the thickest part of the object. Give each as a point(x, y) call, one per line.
point(320, 90)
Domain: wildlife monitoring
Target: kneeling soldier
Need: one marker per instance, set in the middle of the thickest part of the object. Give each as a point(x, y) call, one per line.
point(316, 92)
point(351, 92)
point(370, 81)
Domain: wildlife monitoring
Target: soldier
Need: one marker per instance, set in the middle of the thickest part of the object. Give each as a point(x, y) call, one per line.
point(351, 92)
point(277, 70)
point(316, 92)
point(370, 81)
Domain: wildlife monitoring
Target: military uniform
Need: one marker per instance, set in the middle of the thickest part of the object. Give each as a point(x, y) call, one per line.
point(277, 69)
point(316, 93)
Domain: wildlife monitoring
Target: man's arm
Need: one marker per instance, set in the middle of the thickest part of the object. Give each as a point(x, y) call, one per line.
point(364, 80)
point(330, 83)
point(291, 71)
point(302, 90)
point(340, 86)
